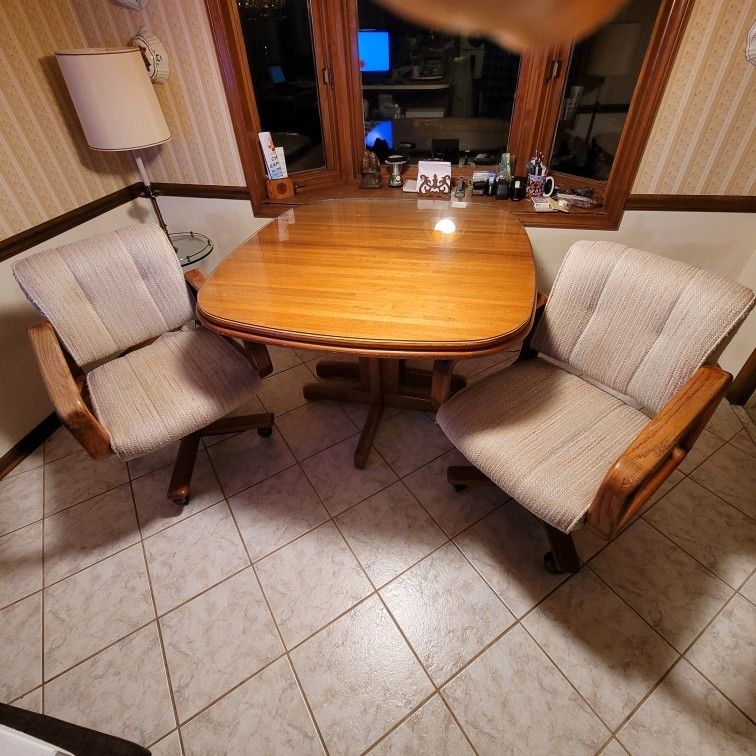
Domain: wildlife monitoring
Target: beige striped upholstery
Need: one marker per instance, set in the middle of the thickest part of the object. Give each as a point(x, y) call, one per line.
point(636, 322)
point(160, 393)
point(108, 293)
point(543, 435)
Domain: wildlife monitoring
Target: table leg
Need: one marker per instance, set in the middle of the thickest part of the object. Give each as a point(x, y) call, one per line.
point(379, 382)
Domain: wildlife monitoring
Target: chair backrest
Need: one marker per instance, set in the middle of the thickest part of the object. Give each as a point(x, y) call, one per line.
point(108, 293)
point(638, 323)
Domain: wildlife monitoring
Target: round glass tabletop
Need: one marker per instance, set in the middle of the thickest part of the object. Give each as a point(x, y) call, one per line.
point(190, 246)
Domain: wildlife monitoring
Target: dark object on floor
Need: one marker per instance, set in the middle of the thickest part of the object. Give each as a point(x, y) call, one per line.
point(79, 740)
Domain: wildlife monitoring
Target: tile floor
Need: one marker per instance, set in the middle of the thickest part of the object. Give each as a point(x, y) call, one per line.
point(300, 606)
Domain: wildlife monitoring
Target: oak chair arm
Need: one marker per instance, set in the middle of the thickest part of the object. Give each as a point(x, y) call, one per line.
point(256, 353)
point(656, 451)
point(64, 392)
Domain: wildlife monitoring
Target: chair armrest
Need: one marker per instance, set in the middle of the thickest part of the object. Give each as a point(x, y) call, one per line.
point(65, 394)
point(657, 450)
point(526, 353)
point(195, 279)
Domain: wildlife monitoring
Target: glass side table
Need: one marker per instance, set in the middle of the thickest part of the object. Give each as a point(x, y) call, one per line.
point(190, 246)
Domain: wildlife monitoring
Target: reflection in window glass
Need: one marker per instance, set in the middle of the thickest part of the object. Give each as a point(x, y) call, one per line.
point(278, 38)
point(426, 93)
point(601, 79)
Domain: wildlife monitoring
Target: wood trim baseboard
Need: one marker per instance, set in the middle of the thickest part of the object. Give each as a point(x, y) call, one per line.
point(44, 231)
point(711, 203)
point(28, 444)
point(207, 191)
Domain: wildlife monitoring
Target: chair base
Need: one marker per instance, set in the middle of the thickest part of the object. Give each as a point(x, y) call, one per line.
point(563, 556)
point(181, 478)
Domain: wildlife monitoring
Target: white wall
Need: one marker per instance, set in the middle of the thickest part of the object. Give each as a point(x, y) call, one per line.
point(23, 400)
point(722, 242)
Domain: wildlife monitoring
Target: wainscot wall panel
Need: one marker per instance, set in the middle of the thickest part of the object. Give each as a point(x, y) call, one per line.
point(704, 136)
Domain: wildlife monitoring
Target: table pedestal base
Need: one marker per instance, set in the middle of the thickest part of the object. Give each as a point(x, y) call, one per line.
point(383, 382)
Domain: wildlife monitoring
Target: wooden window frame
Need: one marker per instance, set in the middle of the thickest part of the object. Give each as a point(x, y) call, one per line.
point(542, 79)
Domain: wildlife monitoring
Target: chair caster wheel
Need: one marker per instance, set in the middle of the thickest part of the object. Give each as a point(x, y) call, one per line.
point(265, 432)
point(459, 487)
point(550, 563)
point(181, 502)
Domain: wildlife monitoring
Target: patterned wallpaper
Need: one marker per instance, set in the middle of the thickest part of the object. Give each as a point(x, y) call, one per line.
point(46, 168)
point(704, 136)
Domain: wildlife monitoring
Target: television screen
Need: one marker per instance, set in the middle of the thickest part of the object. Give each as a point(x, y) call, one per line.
point(373, 51)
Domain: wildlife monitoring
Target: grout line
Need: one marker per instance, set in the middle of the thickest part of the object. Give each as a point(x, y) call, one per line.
point(42, 557)
point(157, 624)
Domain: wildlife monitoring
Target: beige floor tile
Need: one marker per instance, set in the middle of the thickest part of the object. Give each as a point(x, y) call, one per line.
point(151, 462)
point(309, 355)
point(603, 647)
point(731, 474)
point(94, 608)
point(744, 442)
point(78, 477)
point(20, 563)
point(32, 460)
point(721, 537)
point(82, 535)
point(283, 392)
point(675, 477)
point(507, 548)
point(339, 483)
point(314, 427)
point(686, 714)
point(358, 413)
point(512, 699)
point(389, 532)
point(20, 647)
point(123, 690)
point(724, 422)
point(21, 498)
point(282, 358)
point(60, 444)
point(360, 677)
point(217, 640)
point(277, 511)
point(195, 554)
point(157, 512)
point(726, 653)
point(453, 511)
point(672, 591)
point(446, 611)
point(32, 701)
point(430, 731)
point(748, 589)
point(409, 440)
point(311, 581)
point(613, 748)
point(247, 458)
point(704, 447)
point(170, 745)
point(265, 715)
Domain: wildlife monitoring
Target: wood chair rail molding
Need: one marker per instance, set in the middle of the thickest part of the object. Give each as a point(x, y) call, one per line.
point(656, 451)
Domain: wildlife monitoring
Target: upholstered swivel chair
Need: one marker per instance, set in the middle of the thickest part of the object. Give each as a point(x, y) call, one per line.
point(559, 438)
point(126, 367)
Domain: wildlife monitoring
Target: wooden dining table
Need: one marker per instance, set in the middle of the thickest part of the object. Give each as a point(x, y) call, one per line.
point(384, 281)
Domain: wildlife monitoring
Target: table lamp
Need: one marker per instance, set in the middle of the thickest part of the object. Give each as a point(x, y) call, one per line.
point(116, 104)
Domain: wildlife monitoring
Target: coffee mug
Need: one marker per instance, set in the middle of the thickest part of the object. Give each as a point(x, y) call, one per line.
point(540, 186)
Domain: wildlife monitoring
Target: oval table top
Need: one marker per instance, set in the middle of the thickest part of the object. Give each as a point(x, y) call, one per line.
point(380, 277)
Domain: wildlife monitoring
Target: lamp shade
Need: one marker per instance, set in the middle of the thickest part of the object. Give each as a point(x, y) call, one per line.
point(114, 98)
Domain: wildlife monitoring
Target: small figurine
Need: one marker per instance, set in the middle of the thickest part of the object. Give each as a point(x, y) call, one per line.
point(370, 169)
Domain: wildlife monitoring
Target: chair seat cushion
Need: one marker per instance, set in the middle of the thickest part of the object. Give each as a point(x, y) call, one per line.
point(162, 392)
point(543, 435)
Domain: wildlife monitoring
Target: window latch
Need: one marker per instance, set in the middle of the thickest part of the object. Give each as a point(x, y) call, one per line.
point(327, 76)
point(554, 68)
